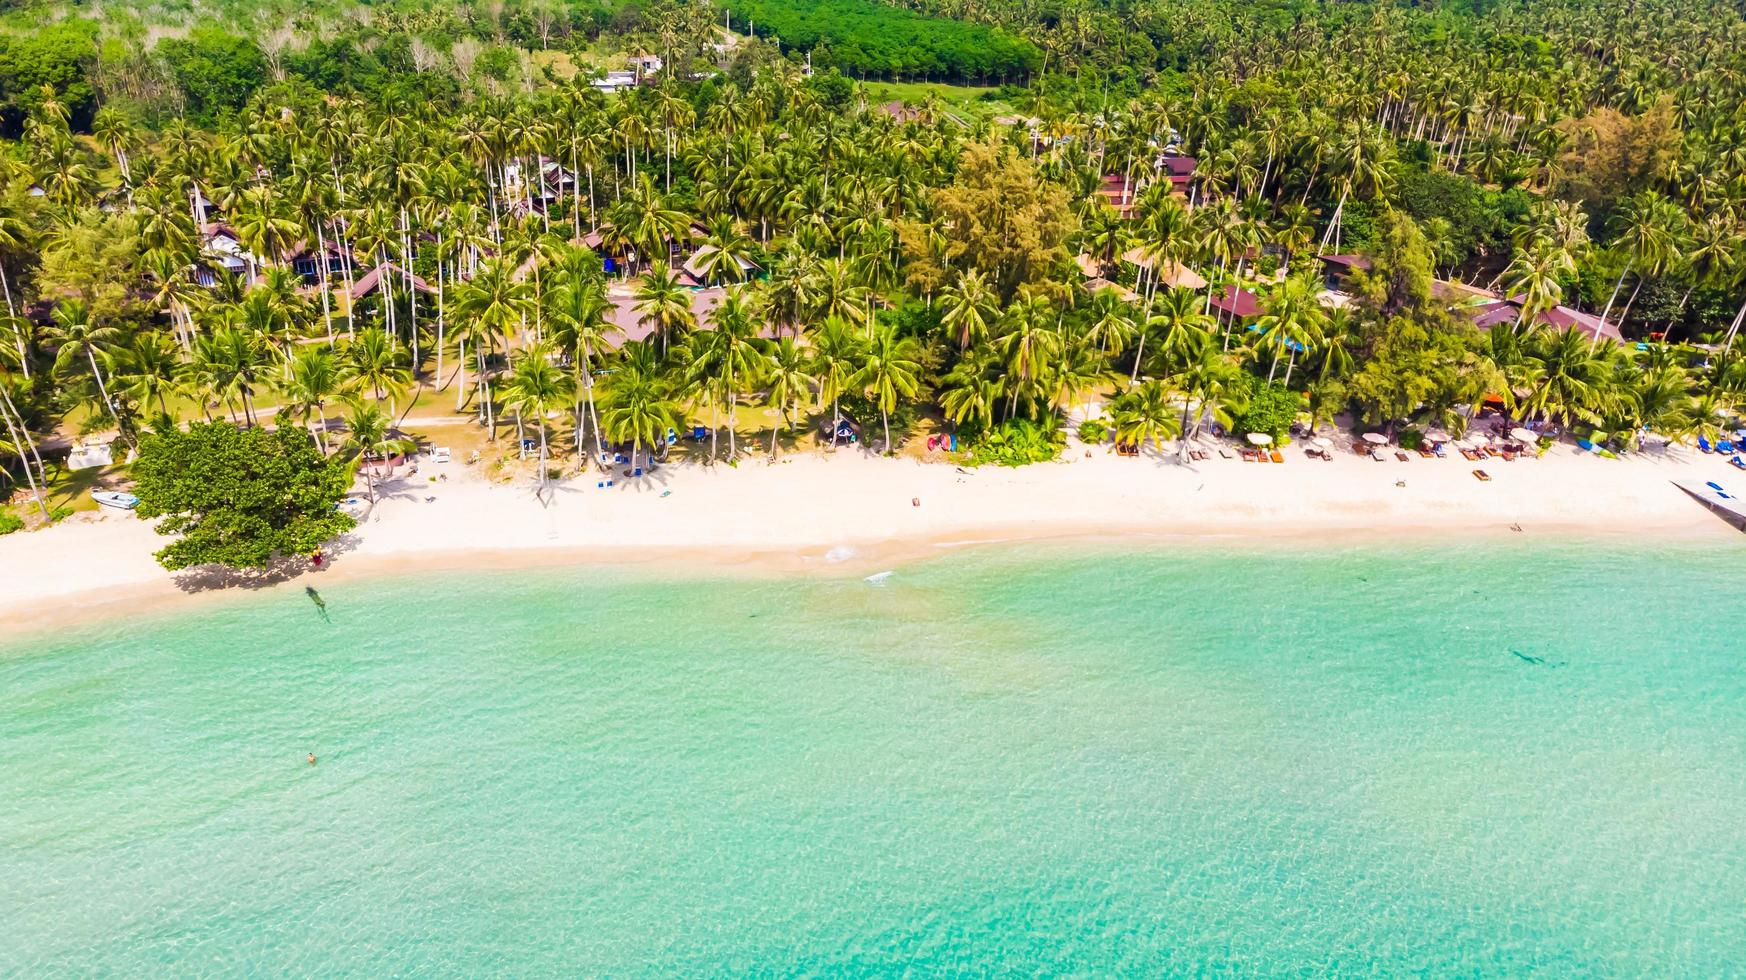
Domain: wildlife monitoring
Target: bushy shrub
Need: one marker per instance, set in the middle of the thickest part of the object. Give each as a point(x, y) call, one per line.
point(10, 522)
point(1092, 432)
point(1269, 408)
point(1016, 442)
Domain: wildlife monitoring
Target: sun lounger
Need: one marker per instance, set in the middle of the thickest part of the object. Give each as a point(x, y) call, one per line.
point(1224, 455)
point(1275, 456)
point(1248, 455)
point(1482, 476)
point(1704, 445)
point(1378, 456)
point(1403, 457)
point(1426, 453)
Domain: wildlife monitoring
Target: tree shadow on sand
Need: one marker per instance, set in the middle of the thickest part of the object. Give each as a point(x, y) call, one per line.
point(285, 568)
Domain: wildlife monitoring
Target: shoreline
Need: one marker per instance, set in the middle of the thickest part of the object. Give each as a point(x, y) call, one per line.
point(849, 514)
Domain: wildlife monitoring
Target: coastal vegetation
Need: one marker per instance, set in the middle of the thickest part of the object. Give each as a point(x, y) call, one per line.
point(332, 218)
point(238, 497)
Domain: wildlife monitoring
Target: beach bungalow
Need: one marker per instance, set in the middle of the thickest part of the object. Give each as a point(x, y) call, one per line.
point(615, 81)
point(644, 65)
point(1236, 303)
point(1180, 171)
point(1171, 274)
point(1118, 191)
point(900, 112)
point(1508, 311)
point(1098, 283)
point(223, 252)
point(308, 258)
point(1337, 270)
point(370, 282)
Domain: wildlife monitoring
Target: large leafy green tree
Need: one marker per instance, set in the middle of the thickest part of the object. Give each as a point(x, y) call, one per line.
point(240, 498)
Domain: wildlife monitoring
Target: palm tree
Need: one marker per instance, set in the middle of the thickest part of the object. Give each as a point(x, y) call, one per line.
point(891, 370)
point(1568, 380)
point(534, 388)
point(789, 378)
point(315, 378)
point(1144, 414)
point(581, 328)
point(148, 370)
point(838, 354)
point(373, 362)
point(639, 407)
point(371, 439)
point(1650, 229)
point(968, 307)
point(79, 334)
point(662, 299)
point(1289, 321)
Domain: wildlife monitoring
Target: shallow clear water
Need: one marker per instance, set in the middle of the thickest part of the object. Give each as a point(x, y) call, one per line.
point(1196, 757)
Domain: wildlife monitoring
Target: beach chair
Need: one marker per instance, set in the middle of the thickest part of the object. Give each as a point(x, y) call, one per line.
point(1426, 453)
point(1482, 476)
point(1224, 455)
point(1402, 456)
point(1737, 463)
point(1378, 456)
point(439, 454)
point(1704, 445)
point(699, 433)
point(1327, 457)
point(1274, 455)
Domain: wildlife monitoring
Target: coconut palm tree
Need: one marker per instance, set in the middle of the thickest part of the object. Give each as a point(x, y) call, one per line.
point(1144, 414)
point(838, 355)
point(536, 387)
point(890, 370)
point(789, 382)
point(78, 335)
point(315, 379)
point(639, 408)
point(371, 439)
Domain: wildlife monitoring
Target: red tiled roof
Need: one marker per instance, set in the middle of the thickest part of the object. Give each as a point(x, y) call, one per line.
point(1558, 318)
point(1239, 302)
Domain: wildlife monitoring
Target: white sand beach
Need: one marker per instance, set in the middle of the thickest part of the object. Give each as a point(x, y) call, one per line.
point(850, 509)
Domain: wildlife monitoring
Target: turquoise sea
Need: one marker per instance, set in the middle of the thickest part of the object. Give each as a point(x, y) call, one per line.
point(1513, 757)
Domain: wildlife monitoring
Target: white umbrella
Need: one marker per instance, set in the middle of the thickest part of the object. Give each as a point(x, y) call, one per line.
point(1322, 441)
point(1437, 435)
point(1260, 439)
point(1520, 434)
point(1479, 439)
point(1376, 438)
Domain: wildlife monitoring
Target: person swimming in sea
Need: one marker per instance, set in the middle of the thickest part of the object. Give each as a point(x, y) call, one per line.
point(320, 603)
point(312, 758)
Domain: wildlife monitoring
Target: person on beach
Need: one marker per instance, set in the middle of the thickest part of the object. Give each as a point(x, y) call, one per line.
point(315, 558)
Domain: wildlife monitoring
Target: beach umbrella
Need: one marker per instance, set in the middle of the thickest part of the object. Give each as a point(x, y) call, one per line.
point(1376, 438)
point(1437, 435)
point(1322, 441)
point(1520, 434)
point(1260, 439)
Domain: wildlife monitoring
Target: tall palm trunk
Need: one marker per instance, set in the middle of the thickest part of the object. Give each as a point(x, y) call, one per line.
point(12, 312)
point(21, 438)
point(1617, 285)
point(107, 401)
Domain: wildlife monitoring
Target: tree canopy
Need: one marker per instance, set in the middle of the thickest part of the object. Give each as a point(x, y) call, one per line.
point(239, 497)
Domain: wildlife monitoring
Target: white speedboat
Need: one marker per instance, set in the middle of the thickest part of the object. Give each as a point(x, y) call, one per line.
point(116, 499)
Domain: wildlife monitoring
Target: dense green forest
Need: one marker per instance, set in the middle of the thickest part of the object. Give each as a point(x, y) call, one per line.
point(267, 211)
point(868, 38)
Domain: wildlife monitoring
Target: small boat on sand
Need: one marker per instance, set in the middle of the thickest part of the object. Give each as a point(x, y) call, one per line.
point(116, 499)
